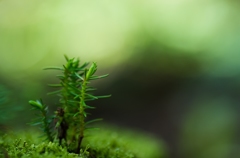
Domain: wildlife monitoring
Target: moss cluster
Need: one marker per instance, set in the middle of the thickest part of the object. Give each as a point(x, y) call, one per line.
point(65, 130)
point(103, 143)
point(75, 91)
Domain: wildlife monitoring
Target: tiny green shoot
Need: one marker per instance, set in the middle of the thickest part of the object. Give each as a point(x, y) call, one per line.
point(75, 92)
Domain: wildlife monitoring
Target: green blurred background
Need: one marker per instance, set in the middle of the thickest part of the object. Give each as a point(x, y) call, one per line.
point(173, 64)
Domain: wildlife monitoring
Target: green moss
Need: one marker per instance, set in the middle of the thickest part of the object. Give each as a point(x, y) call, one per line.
point(103, 143)
point(118, 143)
point(65, 130)
point(74, 90)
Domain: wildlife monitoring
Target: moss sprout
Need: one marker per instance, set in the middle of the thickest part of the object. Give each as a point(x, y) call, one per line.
point(74, 91)
point(65, 129)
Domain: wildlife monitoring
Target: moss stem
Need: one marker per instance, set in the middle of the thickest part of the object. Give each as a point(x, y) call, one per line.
point(82, 113)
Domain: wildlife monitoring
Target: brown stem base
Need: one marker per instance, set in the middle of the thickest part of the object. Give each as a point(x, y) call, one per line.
point(79, 144)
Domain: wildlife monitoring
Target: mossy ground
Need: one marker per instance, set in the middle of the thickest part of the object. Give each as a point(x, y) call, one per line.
point(103, 143)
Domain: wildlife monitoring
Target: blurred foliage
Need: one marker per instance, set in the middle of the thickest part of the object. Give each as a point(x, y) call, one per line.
point(3, 101)
point(38, 31)
point(7, 108)
point(163, 54)
point(209, 130)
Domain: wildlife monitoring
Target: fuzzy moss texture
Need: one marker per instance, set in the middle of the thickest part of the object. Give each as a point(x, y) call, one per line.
point(65, 129)
point(106, 142)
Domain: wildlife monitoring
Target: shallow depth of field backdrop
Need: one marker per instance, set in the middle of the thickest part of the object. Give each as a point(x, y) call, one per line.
point(174, 65)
